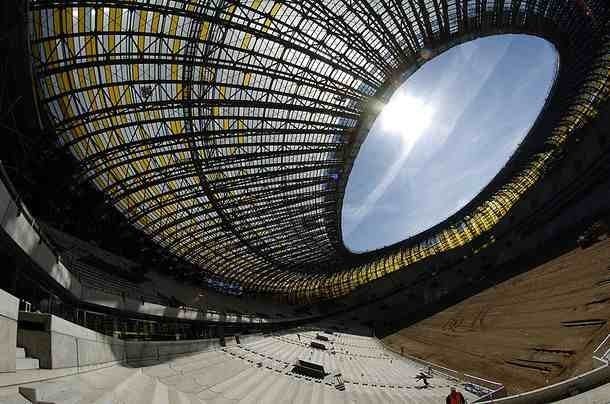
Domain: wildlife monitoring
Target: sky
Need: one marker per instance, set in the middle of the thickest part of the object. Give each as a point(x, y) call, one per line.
point(443, 135)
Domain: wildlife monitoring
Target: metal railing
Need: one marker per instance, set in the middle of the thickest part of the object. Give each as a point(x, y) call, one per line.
point(496, 390)
point(602, 352)
point(24, 305)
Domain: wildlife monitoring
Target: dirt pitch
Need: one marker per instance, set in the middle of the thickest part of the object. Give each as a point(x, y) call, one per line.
point(526, 332)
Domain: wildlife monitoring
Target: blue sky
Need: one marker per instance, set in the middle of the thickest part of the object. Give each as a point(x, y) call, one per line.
point(443, 136)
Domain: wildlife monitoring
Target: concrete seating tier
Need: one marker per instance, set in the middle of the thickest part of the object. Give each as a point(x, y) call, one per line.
point(344, 343)
point(98, 279)
point(381, 371)
point(257, 372)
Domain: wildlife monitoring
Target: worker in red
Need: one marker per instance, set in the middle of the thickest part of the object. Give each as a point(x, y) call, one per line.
point(455, 397)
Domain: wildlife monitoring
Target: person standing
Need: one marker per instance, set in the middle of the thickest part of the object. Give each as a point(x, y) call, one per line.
point(424, 378)
point(455, 397)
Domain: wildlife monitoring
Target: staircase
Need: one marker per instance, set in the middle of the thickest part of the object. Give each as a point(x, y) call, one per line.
point(25, 363)
point(111, 385)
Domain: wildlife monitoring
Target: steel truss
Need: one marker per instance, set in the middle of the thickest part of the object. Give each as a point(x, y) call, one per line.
point(226, 130)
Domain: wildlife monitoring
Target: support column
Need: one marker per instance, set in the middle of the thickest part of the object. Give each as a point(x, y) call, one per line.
point(9, 311)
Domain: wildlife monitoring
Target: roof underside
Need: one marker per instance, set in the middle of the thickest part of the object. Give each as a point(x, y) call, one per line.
point(226, 130)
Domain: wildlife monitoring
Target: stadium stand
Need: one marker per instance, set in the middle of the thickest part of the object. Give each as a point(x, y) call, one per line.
point(260, 371)
point(100, 269)
point(103, 271)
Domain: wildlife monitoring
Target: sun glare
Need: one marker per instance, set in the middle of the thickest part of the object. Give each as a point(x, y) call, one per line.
point(406, 116)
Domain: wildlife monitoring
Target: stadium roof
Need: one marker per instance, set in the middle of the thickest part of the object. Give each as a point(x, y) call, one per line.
point(226, 129)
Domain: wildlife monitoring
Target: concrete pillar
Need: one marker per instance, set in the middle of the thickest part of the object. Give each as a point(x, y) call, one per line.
point(221, 335)
point(9, 311)
point(8, 282)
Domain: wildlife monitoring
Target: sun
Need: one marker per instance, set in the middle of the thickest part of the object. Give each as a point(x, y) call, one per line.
point(406, 116)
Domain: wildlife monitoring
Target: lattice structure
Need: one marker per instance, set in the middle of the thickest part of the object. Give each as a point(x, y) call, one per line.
point(226, 129)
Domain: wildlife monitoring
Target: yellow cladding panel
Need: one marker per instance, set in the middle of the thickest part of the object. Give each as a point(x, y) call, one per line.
point(82, 78)
point(176, 126)
point(177, 43)
point(229, 12)
point(79, 130)
point(173, 25)
point(204, 31)
point(49, 51)
point(155, 23)
point(56, 21)
point(67, 20)
point(274, 10)
point(142, 28)
point(90, 47)
point(240, 135)
point(247, 78)
point(245, 43)
point(174, 71)
point(37, 24)
point(64, 82)
point(99, 19)
point(81, 19)
point(116, 19)
point(129, 95)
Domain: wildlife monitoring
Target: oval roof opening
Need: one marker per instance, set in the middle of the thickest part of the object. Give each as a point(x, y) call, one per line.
point(443, 135)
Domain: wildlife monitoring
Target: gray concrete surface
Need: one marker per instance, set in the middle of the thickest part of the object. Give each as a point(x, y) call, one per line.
point(598, 395)
point(9, 307)
point(58, 344)
point(578, 386)
point(63, 344)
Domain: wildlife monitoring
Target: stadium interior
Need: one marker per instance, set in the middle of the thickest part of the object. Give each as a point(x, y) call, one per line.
point(172, 179)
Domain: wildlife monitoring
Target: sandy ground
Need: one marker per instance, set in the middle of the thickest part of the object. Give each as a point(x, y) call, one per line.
point(516, 332)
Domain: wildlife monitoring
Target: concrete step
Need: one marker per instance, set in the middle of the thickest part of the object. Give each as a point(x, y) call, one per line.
point(27, 363)
point(64, 390)
point(304, 393)
point(282, 390)
point(161, 394)
point(240, 391)
point(107, 379)
point(20, 353)
point(92, 387)
point(234, 382)
point(112, 394)
point(13, 399)
point(219, 373)
point(258, 393)
point(178, 397)
point(160, 371)
point(140, 389)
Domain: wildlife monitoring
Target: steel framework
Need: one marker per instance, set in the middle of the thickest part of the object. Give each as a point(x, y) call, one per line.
point(226, 129)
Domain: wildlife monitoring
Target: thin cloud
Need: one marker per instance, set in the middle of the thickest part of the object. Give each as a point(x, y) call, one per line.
point(486, 94)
